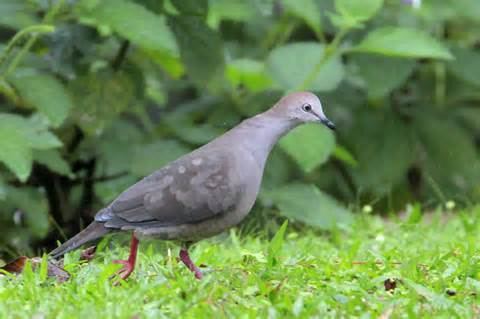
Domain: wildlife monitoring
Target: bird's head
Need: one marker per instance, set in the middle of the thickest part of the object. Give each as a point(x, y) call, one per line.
point(302, 107)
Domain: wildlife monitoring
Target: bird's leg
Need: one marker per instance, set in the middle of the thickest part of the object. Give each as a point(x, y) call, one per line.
point(185, 258)
point(129, 264)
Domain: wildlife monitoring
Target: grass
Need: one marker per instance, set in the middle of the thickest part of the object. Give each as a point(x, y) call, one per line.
point(415, 267)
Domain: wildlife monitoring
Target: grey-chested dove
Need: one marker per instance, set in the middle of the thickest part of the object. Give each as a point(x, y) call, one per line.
point(205, 192)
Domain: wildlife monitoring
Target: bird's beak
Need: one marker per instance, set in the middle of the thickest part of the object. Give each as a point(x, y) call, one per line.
point(325, 121)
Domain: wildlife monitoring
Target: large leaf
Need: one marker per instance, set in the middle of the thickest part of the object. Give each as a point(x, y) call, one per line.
point(15, 153)
point(383, 148)
point(54, 161)
point(383, 74)
point(113, 155)
point(466, 65)
point(306, 10)
point(34, 129)
point(151, 157)
point(248, 73)
point(449, 156)
point(236, 10)
point(132, 21)
point(47, 94)
point(290, 65)
point(3, 190)
point(358, 10)
point(191, 7)
point(308, 204)
point(403, 42)
point(99, 98)
point(18, 136)
point(17, 14)
point(201, 49)
point(310, 145)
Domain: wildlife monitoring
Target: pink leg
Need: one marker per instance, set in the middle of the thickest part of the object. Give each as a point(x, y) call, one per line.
point(129, 264)
point(185, 258)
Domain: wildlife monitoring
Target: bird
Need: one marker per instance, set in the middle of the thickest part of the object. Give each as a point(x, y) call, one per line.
point(202, 193)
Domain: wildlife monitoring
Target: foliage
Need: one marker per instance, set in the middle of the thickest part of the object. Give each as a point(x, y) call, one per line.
point(423, 266)
point(95, 94)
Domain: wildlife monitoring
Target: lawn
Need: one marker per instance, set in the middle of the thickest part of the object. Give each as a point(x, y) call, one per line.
point(417, 266)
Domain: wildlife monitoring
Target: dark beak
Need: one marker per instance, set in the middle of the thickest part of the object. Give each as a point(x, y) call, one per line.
point(327, 123)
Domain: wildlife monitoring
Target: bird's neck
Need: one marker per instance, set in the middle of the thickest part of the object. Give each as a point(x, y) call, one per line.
point(260, 133)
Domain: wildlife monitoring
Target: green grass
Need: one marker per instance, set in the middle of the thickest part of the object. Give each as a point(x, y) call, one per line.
point(434, 260)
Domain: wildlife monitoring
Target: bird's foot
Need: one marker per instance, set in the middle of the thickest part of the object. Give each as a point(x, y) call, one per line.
point(126, 270)
point(185, 258)
point(129, 264)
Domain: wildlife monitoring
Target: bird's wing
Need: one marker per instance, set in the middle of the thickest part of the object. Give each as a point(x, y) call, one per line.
point(193, 188)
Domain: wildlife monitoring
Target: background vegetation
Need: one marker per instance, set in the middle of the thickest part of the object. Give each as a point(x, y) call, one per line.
point(95, 94)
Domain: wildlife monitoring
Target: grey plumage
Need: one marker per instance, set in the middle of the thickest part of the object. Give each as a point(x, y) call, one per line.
point(208, 190)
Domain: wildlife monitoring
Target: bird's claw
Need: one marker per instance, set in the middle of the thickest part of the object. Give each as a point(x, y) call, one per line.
point(125, 271)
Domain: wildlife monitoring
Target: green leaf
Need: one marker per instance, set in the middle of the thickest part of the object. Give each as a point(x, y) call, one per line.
point(309, 145)
point(436, 300)
point(382, 162)
point(47, 94)
point(99, 98)
point(201, 49)
point(248, 73)
point(235, 10)
point(276, 245)
point(359, 11)
point(17, 14)
point(291, 64)
point(151, 157)
point(383, 74)
point(307, 10)
point(449, 153)
point(133, 22)
point(469, 116)
point(18, 136)
point(466, 65)
point(36, 132)
point(306, 203)
point(3, 190)
point(34, 204)
point(191, 7)
point(113, 157)
point(278, 169)
point(15, 153)
point(344, 155)
point(403, 42)
point(54, 161)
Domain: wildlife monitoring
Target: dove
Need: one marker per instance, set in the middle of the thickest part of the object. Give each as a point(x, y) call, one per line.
point(202, 193)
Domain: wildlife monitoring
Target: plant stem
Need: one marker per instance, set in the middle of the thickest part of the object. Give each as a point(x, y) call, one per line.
point(329, 51)
point(440, 85)
point(41, 28)
point(47, 19)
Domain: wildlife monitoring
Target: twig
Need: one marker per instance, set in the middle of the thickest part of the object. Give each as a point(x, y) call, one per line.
point(122, 52)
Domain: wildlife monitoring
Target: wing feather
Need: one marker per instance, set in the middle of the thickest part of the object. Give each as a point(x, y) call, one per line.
point(189, 190)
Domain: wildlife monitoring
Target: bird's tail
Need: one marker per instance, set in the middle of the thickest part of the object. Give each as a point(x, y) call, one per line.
point(93, 231)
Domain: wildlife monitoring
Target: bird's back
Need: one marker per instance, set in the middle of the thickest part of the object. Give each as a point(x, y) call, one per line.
point(209, 185)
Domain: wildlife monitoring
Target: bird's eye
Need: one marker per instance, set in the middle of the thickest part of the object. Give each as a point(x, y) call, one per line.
point(307, 107)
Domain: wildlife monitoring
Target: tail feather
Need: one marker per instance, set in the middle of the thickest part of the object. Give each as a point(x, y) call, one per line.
point(93, 231)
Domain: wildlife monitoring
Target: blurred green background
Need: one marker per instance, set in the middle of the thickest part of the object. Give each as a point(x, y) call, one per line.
point(95, 94)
